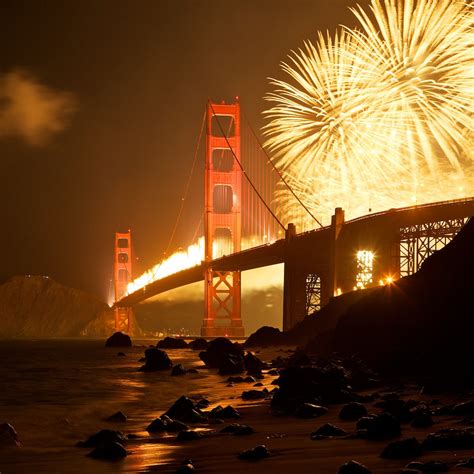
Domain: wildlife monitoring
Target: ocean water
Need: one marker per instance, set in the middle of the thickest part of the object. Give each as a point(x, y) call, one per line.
point(58, 392)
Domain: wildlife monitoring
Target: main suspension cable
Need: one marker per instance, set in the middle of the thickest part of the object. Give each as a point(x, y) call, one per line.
point(183, 199)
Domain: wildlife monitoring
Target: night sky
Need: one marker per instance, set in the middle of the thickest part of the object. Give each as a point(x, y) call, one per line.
point(133, 78)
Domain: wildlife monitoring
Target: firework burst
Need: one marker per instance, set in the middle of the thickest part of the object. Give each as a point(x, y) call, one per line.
point(380, 116)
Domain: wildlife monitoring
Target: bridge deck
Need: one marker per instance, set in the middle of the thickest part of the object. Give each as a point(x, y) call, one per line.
point(314, 241)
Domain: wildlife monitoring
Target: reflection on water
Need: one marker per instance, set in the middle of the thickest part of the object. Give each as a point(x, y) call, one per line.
point(58, 392)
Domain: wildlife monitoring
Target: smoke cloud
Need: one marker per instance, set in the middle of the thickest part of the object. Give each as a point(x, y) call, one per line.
point(32, 111)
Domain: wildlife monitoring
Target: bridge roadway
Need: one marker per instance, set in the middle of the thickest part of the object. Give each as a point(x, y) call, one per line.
point(328, 252)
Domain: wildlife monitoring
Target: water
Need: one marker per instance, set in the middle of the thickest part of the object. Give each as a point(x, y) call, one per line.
point(57, 392)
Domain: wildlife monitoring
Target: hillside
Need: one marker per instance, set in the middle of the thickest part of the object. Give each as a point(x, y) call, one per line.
point(36, 306)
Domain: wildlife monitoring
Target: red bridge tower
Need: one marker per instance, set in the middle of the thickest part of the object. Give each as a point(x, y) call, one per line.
point(222, 220)
point(122, 277)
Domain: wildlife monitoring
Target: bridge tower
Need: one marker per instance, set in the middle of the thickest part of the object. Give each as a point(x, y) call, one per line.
point(122, 277)
point(222, 219)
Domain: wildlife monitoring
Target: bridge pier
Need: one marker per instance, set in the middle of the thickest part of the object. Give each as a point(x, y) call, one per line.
point(299, 267)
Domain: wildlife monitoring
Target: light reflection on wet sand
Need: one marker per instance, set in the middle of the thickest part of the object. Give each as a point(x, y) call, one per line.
point(59, 392)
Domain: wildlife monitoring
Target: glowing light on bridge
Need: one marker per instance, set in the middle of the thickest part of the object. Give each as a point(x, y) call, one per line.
point(365, 266)
point(379, 116)
point(191, 257)
point(180, 260)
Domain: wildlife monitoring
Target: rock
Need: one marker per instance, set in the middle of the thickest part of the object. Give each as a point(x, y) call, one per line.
point(187, 467)
point(328, 431)
point(380, 426)
point(172, 343)
point(258, 384)
point(450, 438)
point(273, 372)
point(231, 364)
point(463, 409)
point(175, 426)
point(199, 344)
point(103, 437)
point(8, 436)
point(422, 420)
point(430, 467)
point(178, 370)
point(264, 337)
point(118, 339)
point(188, 435)
point(353, 467)
point(308, 410)
point(203, 403)
point(467, 463)
point(121, 354)
point(156, 359)
point(117, 417)
point(249, 379)
point(236, 379)
point(352, 411)
point(405, 448)
point(228, 412)
point(183, 409)
point(254, 394)
point(156, 426)
point(310, 384)
point(109, 450)
point(218, 350)
point(238, 430)
point(253, 365)
point(255, 454)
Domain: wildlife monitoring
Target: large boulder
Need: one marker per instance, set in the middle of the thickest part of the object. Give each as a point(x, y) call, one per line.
point(172, 343)
point(102, 437)
point(8, 436)
point(253, 365)
point(224, 355)
point(313, 385)
point(199, 344)
point(264, 337)
point(118, 339)
point(156, 359)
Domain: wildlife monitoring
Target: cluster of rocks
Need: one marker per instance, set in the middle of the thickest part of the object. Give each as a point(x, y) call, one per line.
point(230, 359)
point(106, 444)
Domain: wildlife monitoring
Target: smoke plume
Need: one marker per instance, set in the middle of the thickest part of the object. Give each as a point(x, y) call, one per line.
point(32, 111)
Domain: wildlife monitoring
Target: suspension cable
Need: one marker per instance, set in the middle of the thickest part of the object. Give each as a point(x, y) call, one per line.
point(279, 172)
point(183, 199)
point(242, 168)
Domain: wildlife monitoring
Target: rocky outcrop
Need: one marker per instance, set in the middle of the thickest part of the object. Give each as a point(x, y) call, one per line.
point(422, 323)
point(36, 306)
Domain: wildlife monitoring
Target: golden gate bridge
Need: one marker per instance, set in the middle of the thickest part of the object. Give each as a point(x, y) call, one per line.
point(242, 229)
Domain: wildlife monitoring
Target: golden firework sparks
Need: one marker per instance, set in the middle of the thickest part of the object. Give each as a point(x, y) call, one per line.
point(380, 116)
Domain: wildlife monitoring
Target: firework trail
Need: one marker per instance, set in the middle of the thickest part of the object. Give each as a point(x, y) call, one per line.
point(379, 116)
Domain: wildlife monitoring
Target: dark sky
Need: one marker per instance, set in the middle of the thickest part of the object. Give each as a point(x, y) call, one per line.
point(141, 72)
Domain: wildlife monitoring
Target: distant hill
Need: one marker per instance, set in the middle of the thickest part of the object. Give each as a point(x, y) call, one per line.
point(36, 306)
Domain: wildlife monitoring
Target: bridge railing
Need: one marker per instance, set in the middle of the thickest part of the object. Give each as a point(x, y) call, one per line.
point(407, 208)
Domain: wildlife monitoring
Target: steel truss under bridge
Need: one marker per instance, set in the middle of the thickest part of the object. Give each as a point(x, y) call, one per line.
point(418, 242)
point(313, 293)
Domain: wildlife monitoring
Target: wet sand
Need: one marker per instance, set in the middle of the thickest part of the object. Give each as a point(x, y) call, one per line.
point(59, 393)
